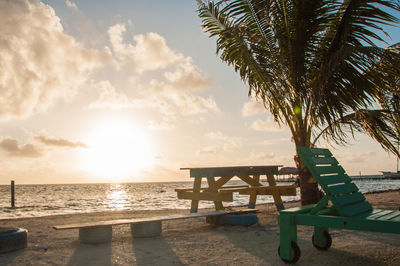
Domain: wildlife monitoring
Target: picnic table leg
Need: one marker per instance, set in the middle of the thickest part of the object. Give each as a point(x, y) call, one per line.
point(252, 200)
point(196, 188)
point(253, 196)
point(275, 194)
point(213, 188)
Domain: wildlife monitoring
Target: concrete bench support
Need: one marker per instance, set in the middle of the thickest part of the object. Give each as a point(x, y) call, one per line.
point(101, 231)
point(146, 229)
point(95, 235)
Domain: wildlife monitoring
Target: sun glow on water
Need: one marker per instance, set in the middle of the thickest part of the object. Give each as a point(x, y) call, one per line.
point(117, 151)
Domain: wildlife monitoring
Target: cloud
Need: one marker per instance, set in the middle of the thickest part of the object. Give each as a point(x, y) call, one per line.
point(174, 94)
point(71, 5)
point(209, 150)
point(186, 104)
point(358, 157)
point(59, 142)
point(12, 147)
point(187, 77)
point(265, 125)
point(39, 62)
point(160, 125)
point(110, 98)
point(252, 108)
point(150, 51)
point(275, 141)
point(262, 156)
point(226, 143)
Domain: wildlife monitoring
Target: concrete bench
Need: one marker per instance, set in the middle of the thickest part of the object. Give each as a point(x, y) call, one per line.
point(101, 231)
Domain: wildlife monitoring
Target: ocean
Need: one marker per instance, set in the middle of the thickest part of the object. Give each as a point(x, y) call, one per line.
point(43, 200)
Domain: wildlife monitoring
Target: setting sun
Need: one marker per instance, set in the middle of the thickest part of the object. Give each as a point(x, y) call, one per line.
point(117, 150)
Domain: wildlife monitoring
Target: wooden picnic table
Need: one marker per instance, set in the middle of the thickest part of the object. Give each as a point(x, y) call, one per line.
point(217, 192)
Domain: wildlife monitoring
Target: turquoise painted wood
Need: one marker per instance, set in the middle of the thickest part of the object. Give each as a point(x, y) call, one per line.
point(230, 171)
point(348, 209)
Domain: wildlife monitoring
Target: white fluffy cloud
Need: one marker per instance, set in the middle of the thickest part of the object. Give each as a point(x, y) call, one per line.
point(39, 62)
point(187, 77)
point(225, 143)
point(110, 98)
point(265, 125)
point(71, 5)
point(252, 108)
point(149, 52)
point(174, 94)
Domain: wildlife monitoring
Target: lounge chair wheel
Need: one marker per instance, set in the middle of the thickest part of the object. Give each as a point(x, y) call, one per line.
point(327, 240)
point(295, 253)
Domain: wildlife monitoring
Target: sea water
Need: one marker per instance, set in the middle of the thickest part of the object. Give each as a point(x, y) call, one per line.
point(43, 200)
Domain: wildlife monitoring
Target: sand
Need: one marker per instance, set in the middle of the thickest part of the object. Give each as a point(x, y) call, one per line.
point(194, 242)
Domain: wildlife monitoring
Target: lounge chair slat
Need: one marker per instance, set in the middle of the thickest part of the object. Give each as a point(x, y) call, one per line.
point(390, 216)
point(314, 152)
point(348, 199)
point(342, 189)
point(356, 209)
point(324, 170)
point(323, 160)
point(378, 213)
point(336, 179)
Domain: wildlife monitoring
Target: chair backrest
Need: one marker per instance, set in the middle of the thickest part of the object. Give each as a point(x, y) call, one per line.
point(334, 181)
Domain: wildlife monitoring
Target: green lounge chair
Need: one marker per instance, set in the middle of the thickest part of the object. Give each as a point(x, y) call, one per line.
point(342, 207)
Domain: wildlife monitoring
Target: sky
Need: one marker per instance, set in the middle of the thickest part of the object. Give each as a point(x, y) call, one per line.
point(131, 91)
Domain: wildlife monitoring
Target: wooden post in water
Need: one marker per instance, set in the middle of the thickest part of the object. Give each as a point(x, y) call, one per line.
point(12, 194)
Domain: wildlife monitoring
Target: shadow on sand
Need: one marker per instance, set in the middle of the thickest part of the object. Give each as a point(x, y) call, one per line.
point(87, 254)
point(154, 251)
point(8, 257)
point(264, 244)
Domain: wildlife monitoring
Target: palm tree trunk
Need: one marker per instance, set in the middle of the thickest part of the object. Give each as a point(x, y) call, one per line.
point(309, 192)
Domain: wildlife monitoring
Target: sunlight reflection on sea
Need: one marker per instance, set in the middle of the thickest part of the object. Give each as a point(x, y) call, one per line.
point(42, 200)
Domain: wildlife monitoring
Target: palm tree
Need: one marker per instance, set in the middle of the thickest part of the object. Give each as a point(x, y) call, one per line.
point(315, 66)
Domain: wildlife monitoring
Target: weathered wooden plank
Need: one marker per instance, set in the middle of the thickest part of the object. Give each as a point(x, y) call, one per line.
point(250, 180)
point(350, 198)
point(335, 179)
point(222, 181)
point(324, 170)
point(212, 188)
point(233, 188)
point(151, 219)
point(228, 188)
point(210, 196)
point(342, 189)
point(232, 171)
point(194, 205)
point(267, 190)
point(356, 209)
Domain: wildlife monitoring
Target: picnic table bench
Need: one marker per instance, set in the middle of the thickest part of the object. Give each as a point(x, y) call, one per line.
point(101, 231)
point(217, 192)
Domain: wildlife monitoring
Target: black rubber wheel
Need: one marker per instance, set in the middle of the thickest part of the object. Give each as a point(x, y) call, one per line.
point(13, 239)
point(295, 253)
point(328, 242)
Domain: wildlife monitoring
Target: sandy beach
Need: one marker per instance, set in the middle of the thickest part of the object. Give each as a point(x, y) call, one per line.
point(194, 242)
